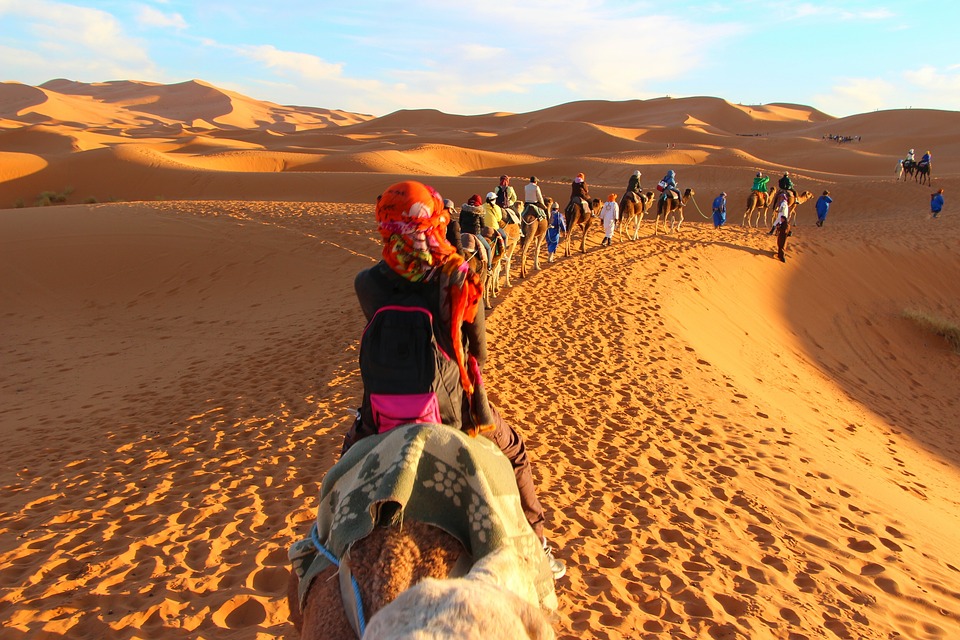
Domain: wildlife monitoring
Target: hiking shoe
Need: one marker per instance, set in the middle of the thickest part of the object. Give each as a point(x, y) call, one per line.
point(557, 568)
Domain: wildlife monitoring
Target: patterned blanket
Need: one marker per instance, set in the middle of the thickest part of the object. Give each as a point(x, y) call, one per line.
point(433, 474)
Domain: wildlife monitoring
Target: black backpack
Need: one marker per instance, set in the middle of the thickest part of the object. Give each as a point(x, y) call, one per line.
point(407, 375)
point(501, 196)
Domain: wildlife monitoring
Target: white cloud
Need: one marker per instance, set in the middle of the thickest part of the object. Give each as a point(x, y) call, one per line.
point(67, 39)
point(308, 66)
point(150, 17)
point(922, 88)
point(857, 95)
point(834, 11)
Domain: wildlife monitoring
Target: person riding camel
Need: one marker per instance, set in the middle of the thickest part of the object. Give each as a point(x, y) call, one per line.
point(471, 221)
point(579, 191)
point(419, 264)
point(670, 188)
point(633, 186)
point(910, 157)
point(925, 160)
point(760, 184)
point(453, 227)
point(493, 216)
point(786, 184)
point(533, 197)
point(507, 196)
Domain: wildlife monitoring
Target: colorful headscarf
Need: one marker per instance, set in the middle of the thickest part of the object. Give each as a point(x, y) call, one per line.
point(413, 222)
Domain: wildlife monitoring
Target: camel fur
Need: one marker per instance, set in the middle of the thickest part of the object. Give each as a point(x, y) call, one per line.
point(386, 563)
point(494, 601)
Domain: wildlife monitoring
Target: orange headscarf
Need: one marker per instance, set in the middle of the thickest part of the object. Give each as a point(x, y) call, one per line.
point(413, 224)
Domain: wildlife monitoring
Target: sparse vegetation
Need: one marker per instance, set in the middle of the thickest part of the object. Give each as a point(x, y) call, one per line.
point(90, 201)
point(47, 198)
point(19, 204)
point(940, 326)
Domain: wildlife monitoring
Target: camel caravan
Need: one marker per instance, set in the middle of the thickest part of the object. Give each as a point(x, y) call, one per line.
point(429, 525)
point(491, 232)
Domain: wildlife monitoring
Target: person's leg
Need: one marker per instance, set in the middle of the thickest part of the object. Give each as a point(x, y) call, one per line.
point(781, 243)
point(512, 445)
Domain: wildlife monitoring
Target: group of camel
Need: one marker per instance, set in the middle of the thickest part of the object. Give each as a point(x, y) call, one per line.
point(920, 171)
point(531, 231)
point(759, 203)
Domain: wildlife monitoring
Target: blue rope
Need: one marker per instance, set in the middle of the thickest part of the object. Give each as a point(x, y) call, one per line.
point(314, 535)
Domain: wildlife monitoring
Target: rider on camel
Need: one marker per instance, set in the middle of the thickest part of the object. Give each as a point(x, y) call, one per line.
point(533, 197)
point(453, 227)
point(506, 195)
point(493, 216)
point(580, 191)
point(471, 221)
point(925, 160)
point(786, 184)
point(670, 185)
point(910, 157)
point(760, 185)
point(633, 186)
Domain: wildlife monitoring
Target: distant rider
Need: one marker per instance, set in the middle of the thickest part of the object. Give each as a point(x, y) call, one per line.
point(633, 186)
point(670, 189)
point(786, 184)
point(533, 197)
point(579, 190)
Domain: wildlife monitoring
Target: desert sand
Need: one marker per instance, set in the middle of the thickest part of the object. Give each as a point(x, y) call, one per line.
point(727, 446)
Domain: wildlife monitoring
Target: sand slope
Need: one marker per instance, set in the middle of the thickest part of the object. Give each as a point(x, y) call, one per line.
point(727, 446)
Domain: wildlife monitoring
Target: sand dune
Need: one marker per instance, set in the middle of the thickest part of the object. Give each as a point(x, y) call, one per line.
point(727, 446)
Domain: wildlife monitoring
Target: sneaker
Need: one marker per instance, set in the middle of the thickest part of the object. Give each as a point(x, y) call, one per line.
point(557, 568)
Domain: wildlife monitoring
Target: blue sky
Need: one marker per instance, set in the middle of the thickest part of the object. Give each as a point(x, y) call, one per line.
point(842, 57)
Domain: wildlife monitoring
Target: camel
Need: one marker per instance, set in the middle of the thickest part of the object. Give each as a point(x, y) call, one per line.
point(671, 209)
point(576, 215)
point(923, 173)
point(631, 214)
point(372, 541)
point(534, 231)
point(906, 169)
point(761, 204)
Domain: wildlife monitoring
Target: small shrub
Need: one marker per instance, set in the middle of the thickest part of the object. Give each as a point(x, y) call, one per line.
point(19, 204)
point(45, 199)
point(940, 326)
point(90, 201)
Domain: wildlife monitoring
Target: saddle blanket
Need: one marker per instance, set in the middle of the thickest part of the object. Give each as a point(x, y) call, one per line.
point(434, 474)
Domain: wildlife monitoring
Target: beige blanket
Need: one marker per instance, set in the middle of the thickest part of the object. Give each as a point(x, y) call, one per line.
point(433, 474)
